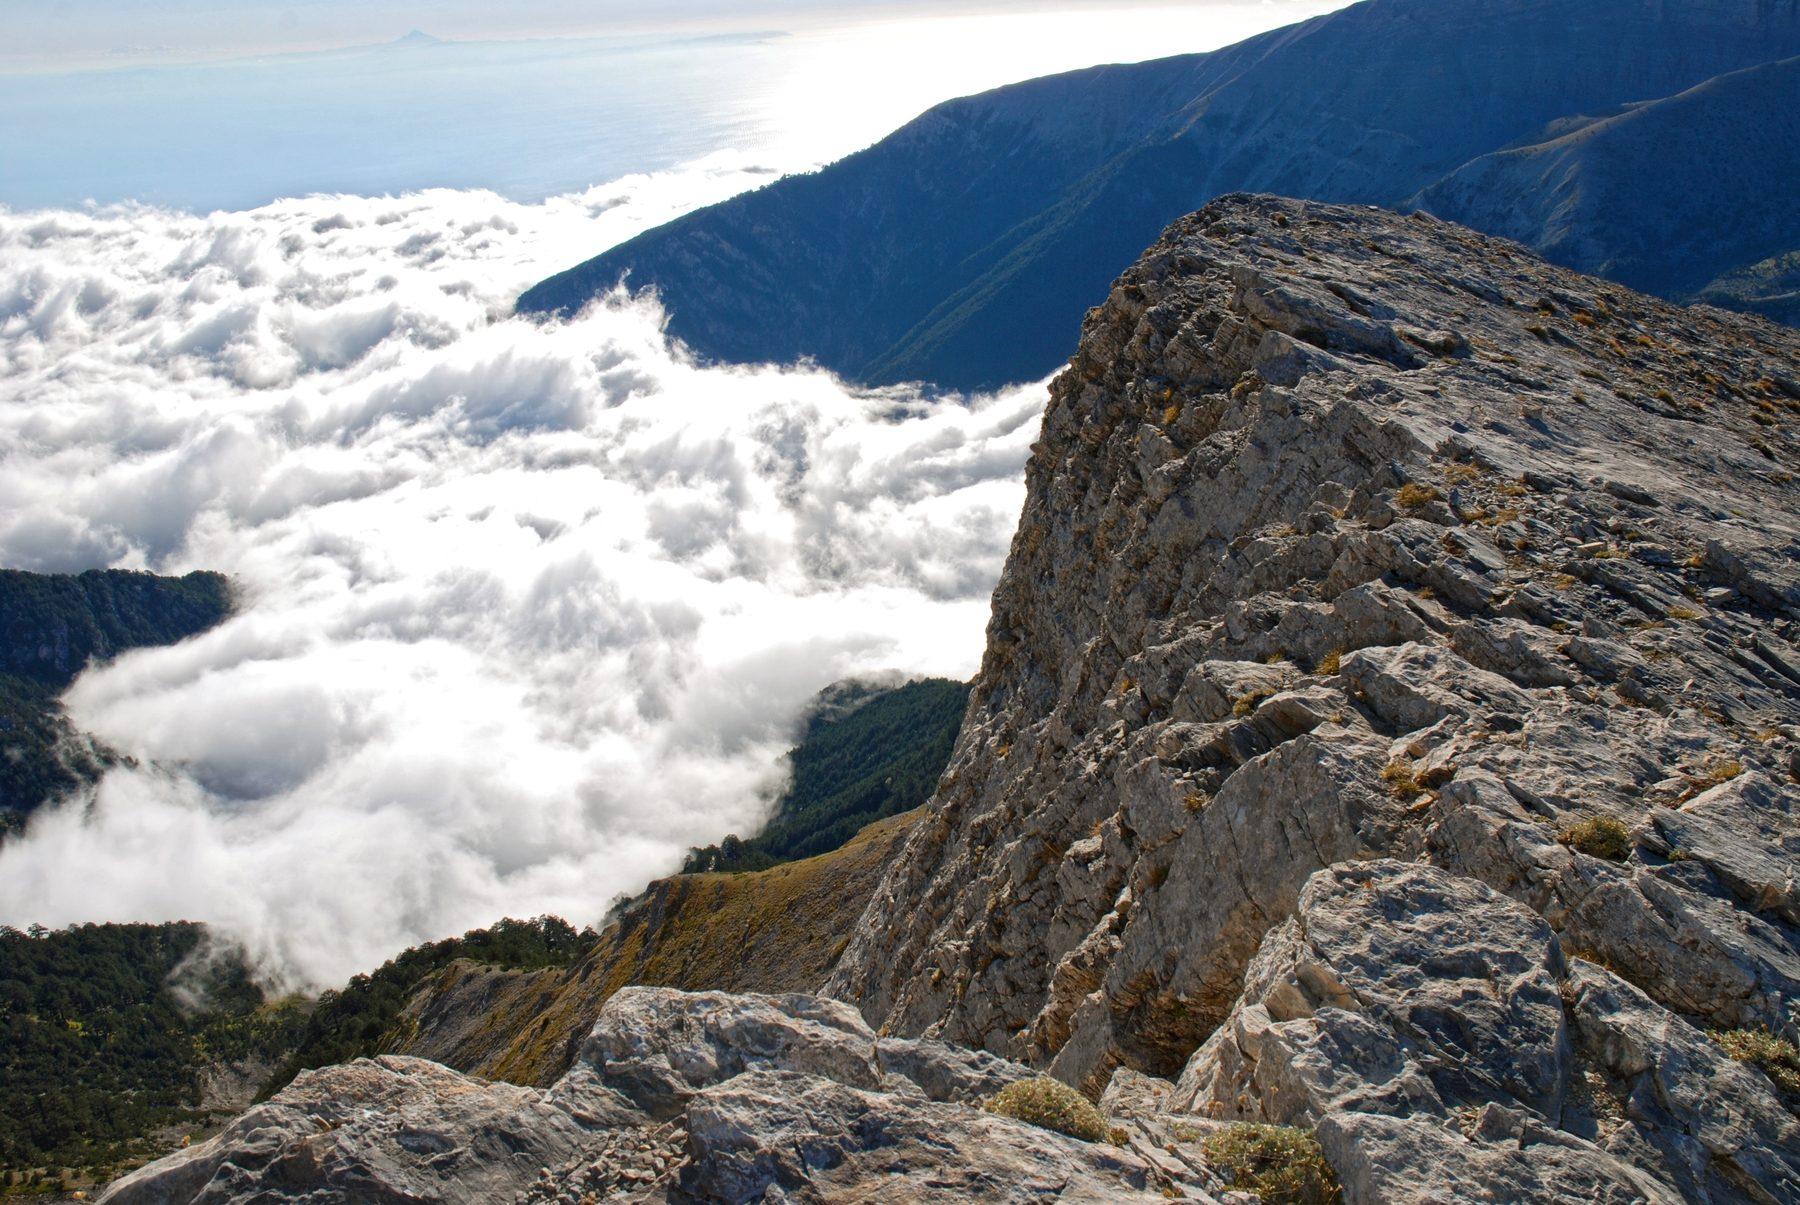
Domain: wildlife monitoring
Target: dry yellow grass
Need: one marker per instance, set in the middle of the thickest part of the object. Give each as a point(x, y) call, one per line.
point(1413, 496)
point(775, 930)
point(1402, 782)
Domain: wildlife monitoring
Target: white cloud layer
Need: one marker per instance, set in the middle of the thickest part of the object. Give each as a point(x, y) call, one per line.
point(526, 610)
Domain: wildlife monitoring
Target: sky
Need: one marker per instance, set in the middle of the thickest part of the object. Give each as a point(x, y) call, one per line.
point(529, 118)
point(51, 33)
point(526, 609)
point(78, 32)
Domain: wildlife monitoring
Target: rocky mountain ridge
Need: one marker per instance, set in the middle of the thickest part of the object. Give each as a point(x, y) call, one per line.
point(1647, 140)
point(1352, 536)
point(1389, 728)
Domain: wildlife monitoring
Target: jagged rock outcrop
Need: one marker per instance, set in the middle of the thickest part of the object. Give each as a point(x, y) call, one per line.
point(1390, 726)
point(1432, 1031)
point(1354, 537)
point(675, 1097)
point(387, 1129)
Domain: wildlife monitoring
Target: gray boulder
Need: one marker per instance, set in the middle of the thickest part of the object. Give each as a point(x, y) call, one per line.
point(769, 1135)
point(657, 1046)
point(1415, 1019)
point(391, 1129)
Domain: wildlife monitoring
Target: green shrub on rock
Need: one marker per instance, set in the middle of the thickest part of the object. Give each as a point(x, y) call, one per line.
point(1599, 837)
point(1051, 1104)
point(1280, 1164)
point(1777, 1058)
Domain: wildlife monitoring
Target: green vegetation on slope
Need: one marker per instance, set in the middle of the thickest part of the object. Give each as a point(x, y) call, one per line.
point(877, 759)
point(51, 626)
point(41, 754)
point(108, 1032)
point(98, 1051)
point(357, 1021)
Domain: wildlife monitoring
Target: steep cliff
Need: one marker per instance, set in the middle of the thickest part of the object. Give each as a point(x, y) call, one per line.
point(1388, 730)
point(1351, 536)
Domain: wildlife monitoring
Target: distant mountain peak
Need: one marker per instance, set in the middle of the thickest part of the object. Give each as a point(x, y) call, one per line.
point(964, 248)
point(417, 37)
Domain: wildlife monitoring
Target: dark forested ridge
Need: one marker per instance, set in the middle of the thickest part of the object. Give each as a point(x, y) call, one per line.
point(51, 626)
point(964, 248)
point(855, 764)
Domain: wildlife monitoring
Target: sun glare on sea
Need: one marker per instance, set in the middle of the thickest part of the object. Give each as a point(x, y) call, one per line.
point(851, 84)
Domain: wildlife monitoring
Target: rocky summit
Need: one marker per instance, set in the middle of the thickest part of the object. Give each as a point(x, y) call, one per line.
point(1389, 729)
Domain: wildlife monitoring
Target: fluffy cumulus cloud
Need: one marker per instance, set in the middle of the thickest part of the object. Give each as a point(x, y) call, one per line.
point(525, 609)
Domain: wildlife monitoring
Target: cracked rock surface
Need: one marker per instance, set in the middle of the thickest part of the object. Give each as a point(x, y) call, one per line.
point(1351, 541)
point(1389, 726)
point(676, 1096)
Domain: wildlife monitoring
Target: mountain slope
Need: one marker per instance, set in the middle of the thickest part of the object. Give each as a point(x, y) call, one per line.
point(964, 248)
point(1383, 761)
point(867, 753)
point(51, 626)
point(1657, 197)
point(775, 930)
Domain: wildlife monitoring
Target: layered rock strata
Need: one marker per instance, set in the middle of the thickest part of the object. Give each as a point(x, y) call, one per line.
point(1355, 537)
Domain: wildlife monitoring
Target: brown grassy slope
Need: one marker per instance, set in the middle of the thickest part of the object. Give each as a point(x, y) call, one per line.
point(775, 930)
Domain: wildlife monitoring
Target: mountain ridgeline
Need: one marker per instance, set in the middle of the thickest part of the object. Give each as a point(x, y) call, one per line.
point(1652, 141)
point(52, 625)
point(1382, 779)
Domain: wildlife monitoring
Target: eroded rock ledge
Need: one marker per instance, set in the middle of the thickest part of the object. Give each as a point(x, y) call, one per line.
point(1388, 727)
point(1352, 536)
point(675, 1096)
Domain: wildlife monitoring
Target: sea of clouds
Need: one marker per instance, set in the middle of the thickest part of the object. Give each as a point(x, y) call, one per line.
point(525, 610)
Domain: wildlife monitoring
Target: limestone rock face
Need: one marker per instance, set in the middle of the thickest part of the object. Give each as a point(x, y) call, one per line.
point(675, 1096)
point(1389, 726)
point(1352, 541)
point(659, 1046)
point(1432, 1032)
point(388, 1129)
point(767, 1132)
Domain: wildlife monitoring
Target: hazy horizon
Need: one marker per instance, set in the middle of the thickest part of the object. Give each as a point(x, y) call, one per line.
point(531, 118)
point(528, 609)
point(76, 34)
